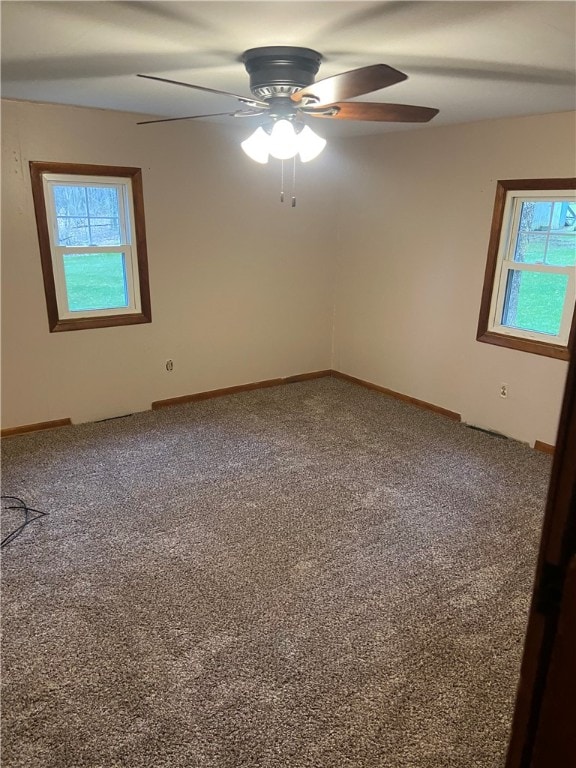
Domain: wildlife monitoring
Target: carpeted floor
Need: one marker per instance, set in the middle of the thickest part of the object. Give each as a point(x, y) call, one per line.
point(308, 576)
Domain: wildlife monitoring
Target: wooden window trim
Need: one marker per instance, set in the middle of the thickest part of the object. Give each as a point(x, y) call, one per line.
point(557, 351)
point(37, 170)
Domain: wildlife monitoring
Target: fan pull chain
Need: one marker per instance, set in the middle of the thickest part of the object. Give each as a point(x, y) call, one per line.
point(294, 182)
point(282, 182)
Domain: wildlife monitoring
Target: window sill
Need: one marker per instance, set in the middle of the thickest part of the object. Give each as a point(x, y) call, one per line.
point(525, 345)
point(107, 321)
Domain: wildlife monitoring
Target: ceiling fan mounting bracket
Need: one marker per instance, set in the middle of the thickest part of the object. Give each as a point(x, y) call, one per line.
point(281, 70)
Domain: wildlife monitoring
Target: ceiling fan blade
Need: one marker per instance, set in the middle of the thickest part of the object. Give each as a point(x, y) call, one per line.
point(238, 113)
point(356, 82)
point(244, 99)
point(384, 113)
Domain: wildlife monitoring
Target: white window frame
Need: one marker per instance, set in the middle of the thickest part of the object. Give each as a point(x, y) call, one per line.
point(506, 263)
point(510, 195)
point(128, 184)
point(123, 187)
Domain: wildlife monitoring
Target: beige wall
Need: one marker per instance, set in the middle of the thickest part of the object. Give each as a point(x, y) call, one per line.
point(377, 272)
point(241, 286)
point(415, 213)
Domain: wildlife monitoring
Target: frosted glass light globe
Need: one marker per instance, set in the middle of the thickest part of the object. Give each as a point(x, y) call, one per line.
point(283, 140)
point(309, 144)
point(257, 145)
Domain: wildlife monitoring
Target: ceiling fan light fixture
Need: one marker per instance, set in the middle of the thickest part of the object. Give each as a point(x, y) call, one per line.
point(257, 146)
point(309, 144)
point(283, 142)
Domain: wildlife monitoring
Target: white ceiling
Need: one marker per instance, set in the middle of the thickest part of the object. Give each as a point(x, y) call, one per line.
point(472, 60)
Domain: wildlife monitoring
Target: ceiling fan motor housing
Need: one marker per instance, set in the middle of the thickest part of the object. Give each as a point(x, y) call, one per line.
point(280, 70)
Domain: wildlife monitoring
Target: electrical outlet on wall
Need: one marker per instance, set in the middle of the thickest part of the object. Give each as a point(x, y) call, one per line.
point(504, 390)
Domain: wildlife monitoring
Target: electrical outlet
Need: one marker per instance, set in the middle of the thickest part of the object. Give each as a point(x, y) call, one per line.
point(504, 390)
point(169, 365)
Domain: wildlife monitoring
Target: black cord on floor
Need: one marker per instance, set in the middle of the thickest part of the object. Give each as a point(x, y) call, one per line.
point(28, 511)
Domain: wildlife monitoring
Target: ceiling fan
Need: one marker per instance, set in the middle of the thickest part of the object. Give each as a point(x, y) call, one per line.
point(285, 93)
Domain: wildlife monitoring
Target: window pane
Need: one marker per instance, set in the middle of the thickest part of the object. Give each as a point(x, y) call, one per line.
point(70, 200)
point(87, 215)
point(105, 232)
point(561, 217)
point(73, 231)
point(547, 234)
point(562, 250)
point(535, 216)
point(102, 201)
point(570, 218)
point(95, 281)
point(531, 249)
point(534, 301)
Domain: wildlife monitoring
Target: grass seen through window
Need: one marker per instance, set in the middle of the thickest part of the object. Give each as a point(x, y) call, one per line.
point(539, 303)
point(95, 281)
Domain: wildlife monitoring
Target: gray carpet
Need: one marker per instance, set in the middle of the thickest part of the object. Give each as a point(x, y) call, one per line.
point(312, 575)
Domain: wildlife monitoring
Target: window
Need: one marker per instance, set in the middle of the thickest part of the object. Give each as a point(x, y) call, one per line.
point(530, 281)
point(90, 222)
